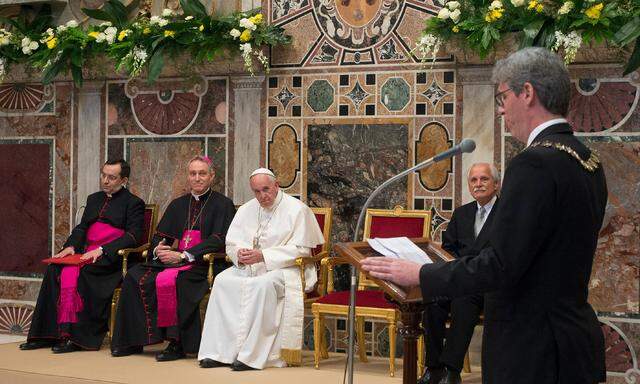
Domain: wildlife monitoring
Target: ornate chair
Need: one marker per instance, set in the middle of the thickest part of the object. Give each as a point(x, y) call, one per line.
point(150, 221)
point(369, 303)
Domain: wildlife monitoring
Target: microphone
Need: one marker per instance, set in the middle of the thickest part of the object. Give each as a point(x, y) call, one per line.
point(465, 146)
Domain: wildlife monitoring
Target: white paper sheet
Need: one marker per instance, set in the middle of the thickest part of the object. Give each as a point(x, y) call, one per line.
point(399, 248)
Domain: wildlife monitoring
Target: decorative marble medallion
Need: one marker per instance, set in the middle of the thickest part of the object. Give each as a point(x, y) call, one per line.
point(15, 319)
point(434, 93)
point(434, 138)
point(395, 94)
point(284, 154)
point(598, 106)
point(357, 95)
point(25, 97)
point(285, 96)
point(320, 95)
point(388, 51)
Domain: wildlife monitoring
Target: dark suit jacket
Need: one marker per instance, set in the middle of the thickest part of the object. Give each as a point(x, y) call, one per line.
point(458, 239)
point(538, 325)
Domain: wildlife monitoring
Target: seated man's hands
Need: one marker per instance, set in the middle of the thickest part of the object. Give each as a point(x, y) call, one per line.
point(65, 252)
point(400, 272)
point(249, 256)
point(92, 255)
point(166, 254)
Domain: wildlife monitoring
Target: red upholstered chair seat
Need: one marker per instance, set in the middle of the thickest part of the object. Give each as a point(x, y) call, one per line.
point(371, 299)
point(383, 226)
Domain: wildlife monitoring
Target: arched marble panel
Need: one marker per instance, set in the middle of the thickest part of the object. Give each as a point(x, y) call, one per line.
point(284, 154)
point(22, 97)
point(433, 139)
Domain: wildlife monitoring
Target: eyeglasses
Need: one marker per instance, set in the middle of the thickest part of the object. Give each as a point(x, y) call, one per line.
point(500, 96)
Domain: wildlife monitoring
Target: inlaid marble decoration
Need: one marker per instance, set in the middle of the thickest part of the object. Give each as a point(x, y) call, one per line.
point(349, 32)
point(26, 204)
point(15, 319)
point(159, 167)
point(284, 154)
point(26, 97)
point(433, 139)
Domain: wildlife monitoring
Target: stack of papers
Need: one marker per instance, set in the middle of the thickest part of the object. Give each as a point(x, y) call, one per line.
point(400, 248)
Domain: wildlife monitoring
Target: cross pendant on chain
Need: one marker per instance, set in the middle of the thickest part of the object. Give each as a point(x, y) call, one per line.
point(187, 240)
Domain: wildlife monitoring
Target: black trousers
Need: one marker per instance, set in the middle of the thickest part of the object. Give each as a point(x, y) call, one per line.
point(448, 347)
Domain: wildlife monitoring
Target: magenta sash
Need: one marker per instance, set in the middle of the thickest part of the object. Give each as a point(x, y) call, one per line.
point(166, 283)
point(69, 301)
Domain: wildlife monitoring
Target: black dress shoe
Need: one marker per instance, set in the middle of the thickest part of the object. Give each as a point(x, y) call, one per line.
point(37, 344)
point(240, 366)
point(65, 346)
point(126, 351)
point(172, 352)
point(453, 377)
point(210, 363)
point(432, 376)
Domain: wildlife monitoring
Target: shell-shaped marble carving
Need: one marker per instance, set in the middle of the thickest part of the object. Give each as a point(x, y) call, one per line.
point(599, 105)
point(15, 319)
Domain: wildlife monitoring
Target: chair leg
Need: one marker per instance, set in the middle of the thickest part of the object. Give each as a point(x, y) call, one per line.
point(466, 365)
point(324, 353)
point(392, 349)
point(362, 345)
point(317, 339)
point(420, 355)
point(112, 317)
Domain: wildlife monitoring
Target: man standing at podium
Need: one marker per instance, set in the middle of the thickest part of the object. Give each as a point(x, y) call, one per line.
point(538, 326)
point(466, 235)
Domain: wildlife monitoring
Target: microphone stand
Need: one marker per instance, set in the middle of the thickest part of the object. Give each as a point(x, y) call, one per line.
point(465, 146)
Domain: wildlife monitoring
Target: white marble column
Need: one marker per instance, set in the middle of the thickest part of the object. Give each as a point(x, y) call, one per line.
point(89, 101)
point(246, 139)
point(478, 117)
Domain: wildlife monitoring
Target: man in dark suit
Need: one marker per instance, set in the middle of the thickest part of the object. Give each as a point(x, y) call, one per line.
point(466, 235)
point(538, 327)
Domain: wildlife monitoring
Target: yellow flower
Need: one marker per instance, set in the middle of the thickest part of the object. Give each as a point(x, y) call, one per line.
point(532, 4)
point(455, 29)
point(124, 33)
point(201, 28)
point(594, 11)
point(94, 34)
point(494, 15)
point(539, 8)
point(257, 19)
point(169, 33)
point(245, 36)
point(146, 31)
point(51, 43)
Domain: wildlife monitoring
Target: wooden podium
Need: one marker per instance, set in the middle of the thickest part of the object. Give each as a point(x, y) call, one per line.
point(409, 300)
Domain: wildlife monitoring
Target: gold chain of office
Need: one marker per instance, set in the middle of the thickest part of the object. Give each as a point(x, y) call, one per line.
point(590, 164)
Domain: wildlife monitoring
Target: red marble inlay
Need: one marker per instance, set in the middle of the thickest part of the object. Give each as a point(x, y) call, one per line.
point(617, 352)
point(21, 97)
point(165, 117)
point(609, 104)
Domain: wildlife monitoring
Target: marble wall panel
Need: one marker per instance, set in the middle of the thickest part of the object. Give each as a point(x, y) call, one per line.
point(26, 204)
point(346, 163)
point(284, 96)
point(213, 111)
point(19, 288)
point(159, 167)
point(120, 119)
point(216, 150)
point(56, 125)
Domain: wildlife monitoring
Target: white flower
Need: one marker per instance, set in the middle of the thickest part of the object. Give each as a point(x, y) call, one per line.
point(61, 28)
point(72, 23)
point(140, 53)
point(105, 24)
point(444, 14)
point(245, 48)
point(2, 69)
point(496, 4)
point(189, 18)
point(34, 45)
point(28, 45)
point(452, 5)
point(518, 3)
point(247, 24)
point(455, 15)
point(110, 38)
point(25, 41)
point(566, 8)
point(570, 43)
point(167, 12)
point(4, 40)
point(111, 31)
point(101, 37)
point(49, 31)
point(429, 45)
point(155, 20)
point(235, 33)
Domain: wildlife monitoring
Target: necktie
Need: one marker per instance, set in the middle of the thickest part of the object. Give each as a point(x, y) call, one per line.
point(479, 220)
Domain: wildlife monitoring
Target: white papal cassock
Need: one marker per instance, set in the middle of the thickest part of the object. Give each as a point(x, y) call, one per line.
point(255, 313)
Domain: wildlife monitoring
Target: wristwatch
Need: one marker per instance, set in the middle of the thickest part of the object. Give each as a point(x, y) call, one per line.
point(101, 249)
point(183, 256)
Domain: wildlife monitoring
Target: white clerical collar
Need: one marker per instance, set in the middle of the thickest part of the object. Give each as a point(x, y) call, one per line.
point(489, 205)
point(536, 131)
point(197, 197)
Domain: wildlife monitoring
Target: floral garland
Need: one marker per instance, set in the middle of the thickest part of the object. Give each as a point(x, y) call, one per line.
point(143, 42)
point(561, 25)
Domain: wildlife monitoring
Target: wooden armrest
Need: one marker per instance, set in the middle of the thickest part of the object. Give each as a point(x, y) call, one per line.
point(126, 251)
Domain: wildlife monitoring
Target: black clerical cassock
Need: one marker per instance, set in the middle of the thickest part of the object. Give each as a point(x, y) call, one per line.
point(208, 217)
point(123, 212)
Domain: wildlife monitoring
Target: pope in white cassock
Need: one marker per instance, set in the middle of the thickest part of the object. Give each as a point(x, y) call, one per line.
point(256, 310)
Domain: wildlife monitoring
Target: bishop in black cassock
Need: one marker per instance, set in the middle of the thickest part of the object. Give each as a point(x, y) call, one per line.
point(137, 316)
point(120, 210)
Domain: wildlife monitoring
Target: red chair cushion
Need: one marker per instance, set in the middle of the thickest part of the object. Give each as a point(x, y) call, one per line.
point(148, 217)
point(320, 219)
point(371, 299)
point(382, 226)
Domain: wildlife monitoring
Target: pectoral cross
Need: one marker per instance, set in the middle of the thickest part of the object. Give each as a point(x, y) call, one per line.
point(187, 240)
point(256, 242)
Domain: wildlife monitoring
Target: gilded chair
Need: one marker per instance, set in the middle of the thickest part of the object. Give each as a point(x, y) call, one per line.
point(149, 227)
point(370, 302)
